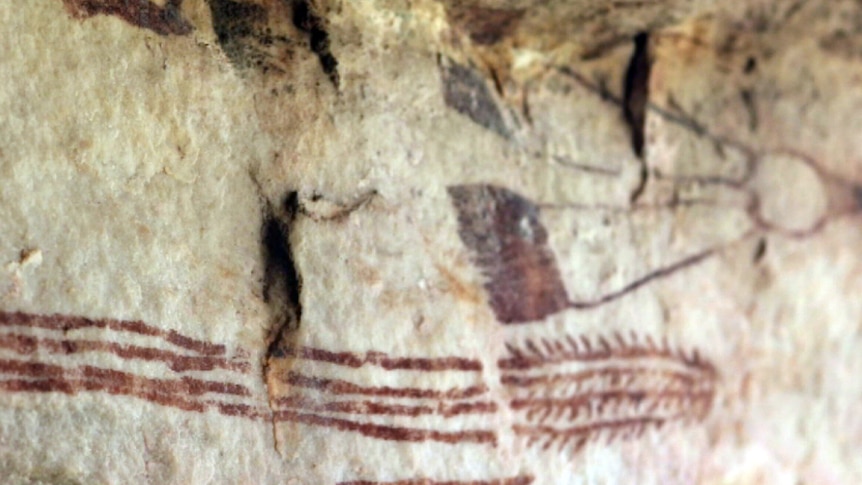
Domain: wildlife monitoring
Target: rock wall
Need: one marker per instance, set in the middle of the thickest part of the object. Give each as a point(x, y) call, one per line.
point(430, 242)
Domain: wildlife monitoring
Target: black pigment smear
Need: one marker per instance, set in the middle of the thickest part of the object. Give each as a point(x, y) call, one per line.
point(466, 91)
point(635, 99)
point(307, 21)
point(636, 91)
point(237, 26)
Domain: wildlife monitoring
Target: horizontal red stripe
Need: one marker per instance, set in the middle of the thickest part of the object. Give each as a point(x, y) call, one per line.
point(391, 433)
point(610, 375)
point(551, 352)
point(74, 386)
point(390, 363)
point(25, 344)
point(66, 323)
point(184, 385)
point(337, 386)
point(371, 407)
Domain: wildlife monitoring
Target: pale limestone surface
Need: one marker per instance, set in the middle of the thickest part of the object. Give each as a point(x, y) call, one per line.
point(139, 172)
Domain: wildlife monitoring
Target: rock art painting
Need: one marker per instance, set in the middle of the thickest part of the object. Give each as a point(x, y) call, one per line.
point(615, 387)
point(429, 243)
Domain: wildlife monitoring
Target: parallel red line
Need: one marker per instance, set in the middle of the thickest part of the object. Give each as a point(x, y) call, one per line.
point(169, 399)
point(25, 344)
point(380, 359)
point(605, 397)
point(615, 374)
point(523, 361)
point(371, 407)
point(337, 386)
point(66, 322)
point(184, 385)
point(391, 433)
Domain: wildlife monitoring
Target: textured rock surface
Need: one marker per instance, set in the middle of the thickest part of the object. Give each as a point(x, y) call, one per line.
point(478, 242)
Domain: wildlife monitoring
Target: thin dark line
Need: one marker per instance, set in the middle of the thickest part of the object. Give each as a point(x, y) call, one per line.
point(638, 283)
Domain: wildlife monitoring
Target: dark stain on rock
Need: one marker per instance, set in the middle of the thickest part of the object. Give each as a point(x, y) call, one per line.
point(282, 282)
point(636, 91)
point(759, 250)
point(167, 20)
point(306, 20)
point(485, 26)
point(748, 100)
point(510, 246)
point(466, 91)
point(245, 38)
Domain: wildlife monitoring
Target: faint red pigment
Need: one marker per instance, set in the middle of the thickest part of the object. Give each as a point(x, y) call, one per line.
point(390, 433)
point(382, 360)
point(165, 20)
point(337, 386)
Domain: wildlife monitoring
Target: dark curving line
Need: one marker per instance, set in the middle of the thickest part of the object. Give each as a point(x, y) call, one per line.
point(643, 281)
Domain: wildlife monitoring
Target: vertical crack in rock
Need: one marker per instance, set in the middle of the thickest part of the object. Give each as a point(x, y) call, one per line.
point(306, 20)
point(465, 91)
point(166, 20)
point(282, 285)
point(635, 99)
point(510, 246)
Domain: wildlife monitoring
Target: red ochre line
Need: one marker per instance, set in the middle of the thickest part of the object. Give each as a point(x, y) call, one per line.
point(614, 374)
point(522, 360)
point(147, 393)
point(390, 433)
point(183, 385)
point(67, 322)
point(594, 428)
point(390, 363)
point(141, 13)
point(337, 386)
point(605, 397)
point(371, 407)
point(519, 480)
point(25, 344)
